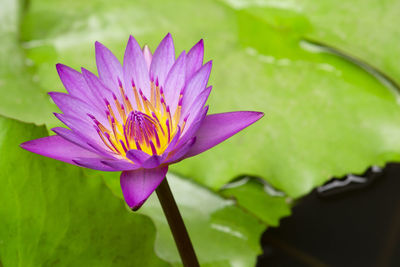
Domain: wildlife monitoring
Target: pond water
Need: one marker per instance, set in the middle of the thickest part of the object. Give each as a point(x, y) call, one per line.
point(357, 223)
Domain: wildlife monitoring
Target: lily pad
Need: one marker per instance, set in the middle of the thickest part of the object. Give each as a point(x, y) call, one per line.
point(257, 197)
point(325, 116)
point(18, 84)
point(366, 29)
point(53, 215)
point(222, 234)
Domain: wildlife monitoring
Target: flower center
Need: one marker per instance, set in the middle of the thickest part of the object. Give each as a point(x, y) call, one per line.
point(146, 125)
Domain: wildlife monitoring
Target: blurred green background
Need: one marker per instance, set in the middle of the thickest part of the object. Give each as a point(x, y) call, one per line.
point(325, 73)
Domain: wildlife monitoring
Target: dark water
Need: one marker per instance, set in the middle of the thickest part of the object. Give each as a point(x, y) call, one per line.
point(353, 225)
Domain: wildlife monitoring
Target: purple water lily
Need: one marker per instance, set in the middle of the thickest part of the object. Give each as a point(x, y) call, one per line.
point(138, 117)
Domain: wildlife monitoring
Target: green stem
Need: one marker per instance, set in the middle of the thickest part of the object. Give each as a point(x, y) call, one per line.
point(176, 225)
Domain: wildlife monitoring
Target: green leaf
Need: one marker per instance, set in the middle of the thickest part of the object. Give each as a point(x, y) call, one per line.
point(256, 197)
point(53, 215)
point(324, 116)
point(222, 234)
point(366, 29)
point(371, 36)
point(64, 38)
point(19, 85)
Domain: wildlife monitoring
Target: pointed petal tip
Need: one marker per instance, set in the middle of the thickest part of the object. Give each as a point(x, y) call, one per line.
point(84, 70)
point(59, 65)
point(87, 73)
point(58, 116)
point(102, 52)
point(138, 185)
point(24, 145)
point(98, 44)
point(58, 148)
point(56, 130)
point(199, 45)
point(30, 145)
point(55, 94)
point(92, 163)
point(98, 47)
point(131, 42)
point(146, 49)
point(258, 114)
point(131, 39)
point(148, 56)
point(77, 162)
point(61, 68)
point(137, 206)
point(249, 116)
point(216, 128)
point(167, 39)
point(118, 165)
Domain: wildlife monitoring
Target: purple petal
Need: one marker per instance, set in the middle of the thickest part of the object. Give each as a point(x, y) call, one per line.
point(190, 131)
point(93, 163)
point(194, 87)
point(194, 59)
point(163, 59)
point(175, 82)
point(147, 56)
point(73, 137)
point(73, 82)
point(152, 162)
point(120, 164)
point(135, 69)
point(75, 107)
point(82, 141)
point(143, 159)
point(78, 125)
point(109, 69)
point(219, 127)
point(180, 152)
point(85, 131)
point(137, 156)
point(95, 85)
point(102, 93)
point(197, 106)
point(174, 141)
point(57, 148)
point(138, 185)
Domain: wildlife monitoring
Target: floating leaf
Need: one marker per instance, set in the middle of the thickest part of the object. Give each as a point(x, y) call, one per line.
point(366, 29)
point(256, 197)
point(222, 234)
point(324, 116)
point(18, 85)
point(52, 214)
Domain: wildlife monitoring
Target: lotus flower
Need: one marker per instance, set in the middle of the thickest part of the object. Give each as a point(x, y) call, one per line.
point(138, 117)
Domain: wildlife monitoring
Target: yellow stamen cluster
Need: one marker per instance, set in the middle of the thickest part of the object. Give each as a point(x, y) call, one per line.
point(147, 125)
